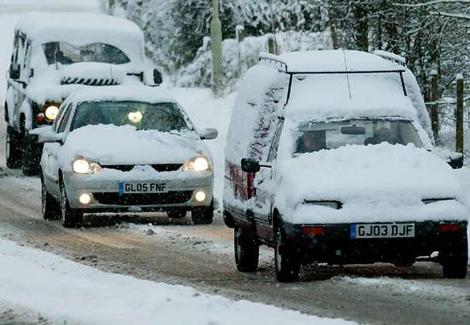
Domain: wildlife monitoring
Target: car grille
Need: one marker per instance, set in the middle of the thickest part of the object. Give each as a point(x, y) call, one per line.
point(174, 197)
point(158, 168)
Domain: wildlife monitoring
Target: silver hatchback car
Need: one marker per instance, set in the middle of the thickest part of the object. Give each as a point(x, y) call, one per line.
point(125, 149)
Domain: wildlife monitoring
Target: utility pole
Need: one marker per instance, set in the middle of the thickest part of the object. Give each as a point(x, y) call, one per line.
point(216, 48)
point(435, 106)
point(459, 145)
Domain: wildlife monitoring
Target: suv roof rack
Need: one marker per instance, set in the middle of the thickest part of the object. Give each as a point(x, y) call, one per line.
point(273, 59)
point(391, 57)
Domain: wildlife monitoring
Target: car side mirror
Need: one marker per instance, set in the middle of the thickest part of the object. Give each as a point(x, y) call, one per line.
point(208, 134)
point(250, 165)
point(15, 71)
point(157, 77)
point(49, 137)
point(456, 160)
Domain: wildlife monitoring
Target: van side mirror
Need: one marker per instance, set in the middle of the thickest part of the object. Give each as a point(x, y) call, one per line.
point(15, 71)
point(208, 134)
point(157, 77)
point(456, 161)
point(250, 165)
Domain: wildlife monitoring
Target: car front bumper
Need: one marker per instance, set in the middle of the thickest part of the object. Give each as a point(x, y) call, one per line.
point(336, 246)
point(180, 192)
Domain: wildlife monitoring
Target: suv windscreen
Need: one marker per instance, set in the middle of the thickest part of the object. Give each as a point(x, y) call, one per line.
point(164, 117)
point(65, 53)
point(315, 136)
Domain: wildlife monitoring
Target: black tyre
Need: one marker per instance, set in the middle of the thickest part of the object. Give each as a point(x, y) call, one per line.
point(203, 216)
point(50, 206)
point(455, 260)
point(246, 251)
point(12, 148)
point(71, 218)
point(177, 214)
point(30, 157)
point(287, 262)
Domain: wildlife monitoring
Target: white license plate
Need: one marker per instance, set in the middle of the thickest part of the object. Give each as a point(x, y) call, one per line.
point(142, 187)
point(382, 230)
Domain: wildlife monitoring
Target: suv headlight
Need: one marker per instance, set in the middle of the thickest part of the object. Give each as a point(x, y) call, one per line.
point(83, 166)
point(197, 164)
point(330, 204)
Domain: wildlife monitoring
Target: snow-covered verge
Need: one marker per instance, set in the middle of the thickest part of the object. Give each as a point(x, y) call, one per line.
point(78, 293)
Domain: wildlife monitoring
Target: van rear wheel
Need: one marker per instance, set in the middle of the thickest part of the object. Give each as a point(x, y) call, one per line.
point(286, 258)
point(246, 251)
point(12, 148)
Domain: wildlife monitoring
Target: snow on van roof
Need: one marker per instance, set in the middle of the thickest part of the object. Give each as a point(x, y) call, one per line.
point(121, 93)
point(83, 28)
point(334, 61)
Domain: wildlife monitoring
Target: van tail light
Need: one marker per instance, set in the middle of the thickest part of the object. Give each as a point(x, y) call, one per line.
point(313, 230)
point(452, 227)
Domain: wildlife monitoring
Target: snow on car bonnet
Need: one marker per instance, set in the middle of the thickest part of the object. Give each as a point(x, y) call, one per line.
point(109, 145)
point(372, 183)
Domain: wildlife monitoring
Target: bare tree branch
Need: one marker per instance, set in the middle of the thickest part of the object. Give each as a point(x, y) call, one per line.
point(431, 3)
point(446, 14)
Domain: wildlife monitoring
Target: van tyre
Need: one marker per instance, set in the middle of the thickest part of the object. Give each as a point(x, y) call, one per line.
point(454, 261)
point(50, 207)
point(203, 216)
point(30, 156)
point(71, 218)
point(246, 251)
point(12, 148)
point(287, 262)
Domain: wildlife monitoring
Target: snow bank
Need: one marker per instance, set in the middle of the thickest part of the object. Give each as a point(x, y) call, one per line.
point(121, 145)
point(375, 183)
point(61, 289)
point(15, 6)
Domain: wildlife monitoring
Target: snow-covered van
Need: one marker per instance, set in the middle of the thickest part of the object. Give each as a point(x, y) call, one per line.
point(329, 158)
point(54, 55)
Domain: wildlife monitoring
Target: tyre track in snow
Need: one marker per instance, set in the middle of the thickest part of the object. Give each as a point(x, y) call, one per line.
point(201, 256)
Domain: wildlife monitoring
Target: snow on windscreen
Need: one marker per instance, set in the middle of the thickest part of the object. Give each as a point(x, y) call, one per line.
point(380, 182)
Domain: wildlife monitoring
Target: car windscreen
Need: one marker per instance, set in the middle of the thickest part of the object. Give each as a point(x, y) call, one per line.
point(164, 117)
point(315, 136)
point(65, 53)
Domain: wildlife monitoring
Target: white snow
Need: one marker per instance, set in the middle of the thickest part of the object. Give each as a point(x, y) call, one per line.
point(61, 289)
point(336, 60)
point(375, 183)
point(121, 145)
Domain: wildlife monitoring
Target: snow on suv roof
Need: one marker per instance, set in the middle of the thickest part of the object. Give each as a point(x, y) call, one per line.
point(332, 61)
point(84, 28)
point(120, 93)
point(56, 26)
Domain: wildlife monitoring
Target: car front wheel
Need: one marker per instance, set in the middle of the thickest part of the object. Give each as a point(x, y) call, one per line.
point(71, 218)
point(203, 216)
point(50, 207)
point(286, 259)
point(246, 251)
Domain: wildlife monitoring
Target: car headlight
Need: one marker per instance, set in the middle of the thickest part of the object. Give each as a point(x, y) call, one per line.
point(83, 166)
point(51, 112)
point(197, 164)
point(330, 204)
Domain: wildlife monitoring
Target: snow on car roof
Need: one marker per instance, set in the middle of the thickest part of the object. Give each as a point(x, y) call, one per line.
point(333, 61)
point(121, 93)
point(354, 95)
point(83, 28)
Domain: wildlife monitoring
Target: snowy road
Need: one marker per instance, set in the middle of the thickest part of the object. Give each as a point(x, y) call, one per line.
point(202, 257)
